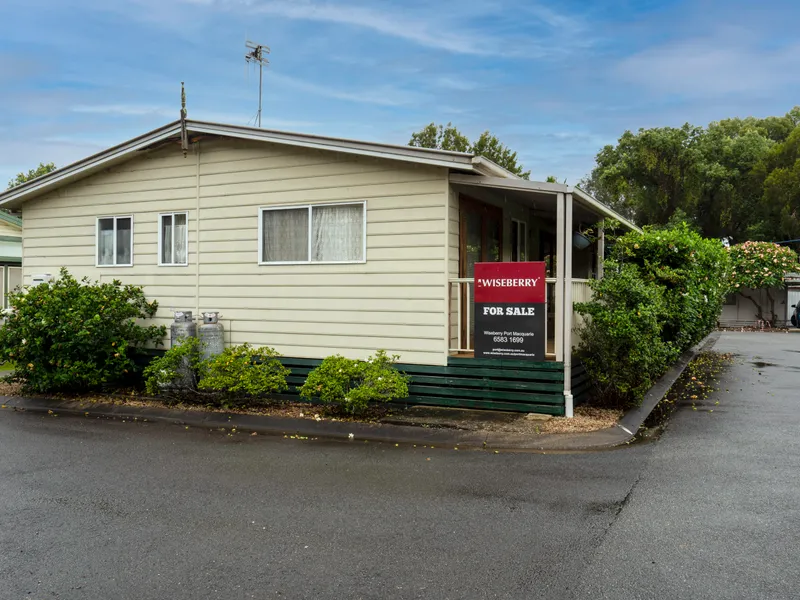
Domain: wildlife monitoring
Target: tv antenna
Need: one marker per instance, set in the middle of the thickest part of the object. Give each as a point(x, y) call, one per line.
point(256, 56)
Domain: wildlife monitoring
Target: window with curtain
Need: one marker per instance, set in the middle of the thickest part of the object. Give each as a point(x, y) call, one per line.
point(324, 233)
point(174, 239)
point(115, 241)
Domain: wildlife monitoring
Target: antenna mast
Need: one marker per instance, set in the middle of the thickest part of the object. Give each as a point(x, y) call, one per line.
point(256, 55)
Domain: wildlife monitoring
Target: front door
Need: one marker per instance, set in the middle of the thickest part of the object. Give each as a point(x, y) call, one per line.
point(480, 240)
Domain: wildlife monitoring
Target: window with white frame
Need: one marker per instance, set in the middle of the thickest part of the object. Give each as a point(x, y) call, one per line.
point(519, 241)
point(115, 241)
point(320, 233)
point(173, 239)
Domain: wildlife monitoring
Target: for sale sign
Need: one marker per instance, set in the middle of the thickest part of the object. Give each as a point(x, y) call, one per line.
point(510, 310)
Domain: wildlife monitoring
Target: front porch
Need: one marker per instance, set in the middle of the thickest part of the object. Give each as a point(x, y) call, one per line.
point(511, 220)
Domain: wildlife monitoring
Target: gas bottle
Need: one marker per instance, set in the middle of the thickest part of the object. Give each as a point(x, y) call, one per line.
point(212, 341)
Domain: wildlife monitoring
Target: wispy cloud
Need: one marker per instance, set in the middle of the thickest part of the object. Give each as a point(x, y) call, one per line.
point(728, 62)
point(128, 110)
point(440, 29)
point(383, 95)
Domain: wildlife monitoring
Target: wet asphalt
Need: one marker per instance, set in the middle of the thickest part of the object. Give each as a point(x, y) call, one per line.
point(105, 509)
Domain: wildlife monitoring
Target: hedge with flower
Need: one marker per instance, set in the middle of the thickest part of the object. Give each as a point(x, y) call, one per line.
point(761, 265)
point(662, 293)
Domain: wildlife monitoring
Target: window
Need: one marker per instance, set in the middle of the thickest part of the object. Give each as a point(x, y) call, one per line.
point(324, 233)
point(173, 239)
point(519, 241)
point(730, 300)
point(115, 241)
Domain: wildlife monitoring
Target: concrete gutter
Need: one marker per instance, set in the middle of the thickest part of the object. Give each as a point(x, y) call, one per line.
point(620, 434)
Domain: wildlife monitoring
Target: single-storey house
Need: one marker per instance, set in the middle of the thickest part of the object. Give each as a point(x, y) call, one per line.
point(316, 245)
point(10, 254)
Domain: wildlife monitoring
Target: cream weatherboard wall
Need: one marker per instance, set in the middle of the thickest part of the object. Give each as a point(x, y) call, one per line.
point(396, 300)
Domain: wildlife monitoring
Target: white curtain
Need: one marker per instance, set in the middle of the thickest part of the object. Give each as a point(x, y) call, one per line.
point(181, 230)
point(105, 242)
point(124, 239)
point(285, 235)
point(166, 239)
point(338, 233)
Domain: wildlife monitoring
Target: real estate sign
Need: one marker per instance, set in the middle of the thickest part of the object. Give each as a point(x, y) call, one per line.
point(510, 310)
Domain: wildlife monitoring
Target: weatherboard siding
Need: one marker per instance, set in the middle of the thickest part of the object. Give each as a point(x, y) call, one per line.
point(8, 229)
point(393, 301)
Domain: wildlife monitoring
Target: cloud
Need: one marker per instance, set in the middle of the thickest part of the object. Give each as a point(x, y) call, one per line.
point(441, 30)
point(126, 110)
point(729, 62)
point(384, 95)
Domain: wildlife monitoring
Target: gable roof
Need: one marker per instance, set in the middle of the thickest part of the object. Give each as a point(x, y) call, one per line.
point(461, 161)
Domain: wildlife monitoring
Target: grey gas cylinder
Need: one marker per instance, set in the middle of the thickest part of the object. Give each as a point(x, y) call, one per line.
point(183, 326)
point(211, 336)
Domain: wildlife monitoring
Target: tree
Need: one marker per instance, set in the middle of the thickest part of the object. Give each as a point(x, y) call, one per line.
point(42, 169)
point(734, 178)
point(761, 266)
point(441, 137)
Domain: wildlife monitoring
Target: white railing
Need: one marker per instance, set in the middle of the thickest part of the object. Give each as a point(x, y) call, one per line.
point(462, 294)
point(462, 309)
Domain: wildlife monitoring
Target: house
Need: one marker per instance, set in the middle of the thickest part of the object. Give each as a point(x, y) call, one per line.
point(316, 245)
point(740, 309)
point(10, 254)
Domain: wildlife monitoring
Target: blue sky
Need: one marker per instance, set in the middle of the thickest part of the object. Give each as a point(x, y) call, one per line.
point(554, 80)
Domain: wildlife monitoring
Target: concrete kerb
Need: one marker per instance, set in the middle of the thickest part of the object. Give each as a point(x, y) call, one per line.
point(619, 434)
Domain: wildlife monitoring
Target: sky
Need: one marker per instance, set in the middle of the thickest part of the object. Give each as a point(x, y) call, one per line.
point(555, 81)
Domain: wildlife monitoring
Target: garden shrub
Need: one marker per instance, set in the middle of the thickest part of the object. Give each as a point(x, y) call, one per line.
point(353, 384)
point(662, 293)
point(178, 371)
point(69, 335)
point(621, 345)
point(245, 371)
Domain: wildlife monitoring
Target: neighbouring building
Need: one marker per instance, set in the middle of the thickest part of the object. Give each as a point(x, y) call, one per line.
point(740, 308)
point(10, 254)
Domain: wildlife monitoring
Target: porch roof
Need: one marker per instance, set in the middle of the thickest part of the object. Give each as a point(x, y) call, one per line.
point(544, 195)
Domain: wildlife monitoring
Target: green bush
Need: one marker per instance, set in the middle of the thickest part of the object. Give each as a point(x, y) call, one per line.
point(662, 293)
point(178, 371)
point(353, 384)
point(621, 347)
point(245, 371)
point(69, 335)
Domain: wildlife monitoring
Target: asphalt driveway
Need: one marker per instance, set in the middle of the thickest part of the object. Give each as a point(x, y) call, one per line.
point(97, 509)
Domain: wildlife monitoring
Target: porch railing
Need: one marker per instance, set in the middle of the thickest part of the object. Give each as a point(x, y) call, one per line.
point(462, 313)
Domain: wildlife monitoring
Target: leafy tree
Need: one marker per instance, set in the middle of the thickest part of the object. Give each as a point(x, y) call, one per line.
point(42, 169)
point(489, 146)
point(441, 137)
point(735, 177)
point(761, 265)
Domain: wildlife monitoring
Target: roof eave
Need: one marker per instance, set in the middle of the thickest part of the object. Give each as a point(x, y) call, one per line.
point(602, 208)
point(54, 179)
point(426, 156)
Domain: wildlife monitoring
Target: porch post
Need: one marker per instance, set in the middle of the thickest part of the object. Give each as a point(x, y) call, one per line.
point(601, 252)
point(558, 334)
point(567, 332)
